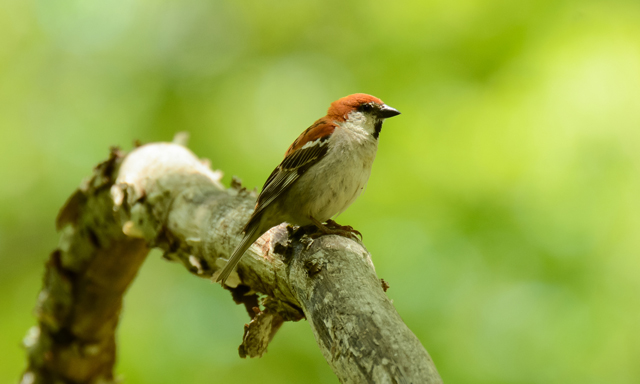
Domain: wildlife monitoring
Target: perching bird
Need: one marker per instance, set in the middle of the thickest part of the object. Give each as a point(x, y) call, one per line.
point(323, 171)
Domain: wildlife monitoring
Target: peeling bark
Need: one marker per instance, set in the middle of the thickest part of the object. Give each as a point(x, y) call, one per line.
point(84, 282)
point(161, 195)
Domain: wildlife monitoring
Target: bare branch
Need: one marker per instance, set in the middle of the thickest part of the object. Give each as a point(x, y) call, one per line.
point(161, 195)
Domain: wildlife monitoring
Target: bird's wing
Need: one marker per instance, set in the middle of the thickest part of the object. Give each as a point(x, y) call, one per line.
point(306, 151)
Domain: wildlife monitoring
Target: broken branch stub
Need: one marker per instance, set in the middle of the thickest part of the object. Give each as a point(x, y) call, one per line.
point(161, 195)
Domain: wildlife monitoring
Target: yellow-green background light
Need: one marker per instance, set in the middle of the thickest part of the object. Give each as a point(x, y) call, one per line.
point(503, 208)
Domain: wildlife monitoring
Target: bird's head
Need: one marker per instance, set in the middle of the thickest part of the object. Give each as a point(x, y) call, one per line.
point(362, 110)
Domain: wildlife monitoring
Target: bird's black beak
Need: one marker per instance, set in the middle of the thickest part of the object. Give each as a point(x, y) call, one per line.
point(387, 112)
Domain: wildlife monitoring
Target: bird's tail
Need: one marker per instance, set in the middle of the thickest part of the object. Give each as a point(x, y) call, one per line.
point(251, 235)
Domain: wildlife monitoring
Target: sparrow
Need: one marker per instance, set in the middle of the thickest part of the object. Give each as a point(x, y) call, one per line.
point(323, 172)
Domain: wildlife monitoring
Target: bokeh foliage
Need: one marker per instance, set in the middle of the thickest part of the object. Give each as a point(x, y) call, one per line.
point(503, 208)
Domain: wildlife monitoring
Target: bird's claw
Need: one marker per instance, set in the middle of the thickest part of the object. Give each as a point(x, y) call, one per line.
point(344, 228)
point(333, 228)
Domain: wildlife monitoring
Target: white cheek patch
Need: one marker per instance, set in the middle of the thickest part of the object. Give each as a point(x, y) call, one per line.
point(358, 121)
point(356, 117)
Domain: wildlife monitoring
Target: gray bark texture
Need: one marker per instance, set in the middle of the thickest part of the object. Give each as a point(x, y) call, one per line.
point(162, 195)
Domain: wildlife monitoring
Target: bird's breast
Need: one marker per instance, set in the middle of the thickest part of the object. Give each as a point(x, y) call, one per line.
point(329, 187)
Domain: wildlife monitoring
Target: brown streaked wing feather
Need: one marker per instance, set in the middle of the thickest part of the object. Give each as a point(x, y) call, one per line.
point(321, 128)
point(294, 165)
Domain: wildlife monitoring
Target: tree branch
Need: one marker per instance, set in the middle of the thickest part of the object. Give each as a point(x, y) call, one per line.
point(161, 195)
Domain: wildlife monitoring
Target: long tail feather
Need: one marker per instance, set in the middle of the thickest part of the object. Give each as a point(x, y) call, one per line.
point(250, 236)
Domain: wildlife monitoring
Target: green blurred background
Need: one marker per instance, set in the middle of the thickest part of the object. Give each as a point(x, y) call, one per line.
point(503, 208)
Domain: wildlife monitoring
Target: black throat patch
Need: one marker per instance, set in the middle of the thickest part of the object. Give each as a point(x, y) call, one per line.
point(377, 128)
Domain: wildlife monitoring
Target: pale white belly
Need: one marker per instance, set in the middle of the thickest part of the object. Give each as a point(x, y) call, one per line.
point(328, 188)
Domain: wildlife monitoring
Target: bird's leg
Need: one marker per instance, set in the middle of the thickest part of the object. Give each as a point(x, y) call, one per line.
point(333, 228)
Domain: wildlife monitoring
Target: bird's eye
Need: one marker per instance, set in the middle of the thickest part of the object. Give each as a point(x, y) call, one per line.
point(366, 107)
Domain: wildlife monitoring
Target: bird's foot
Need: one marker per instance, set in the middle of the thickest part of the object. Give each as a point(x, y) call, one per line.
point(344, 228)
point(333, 228)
